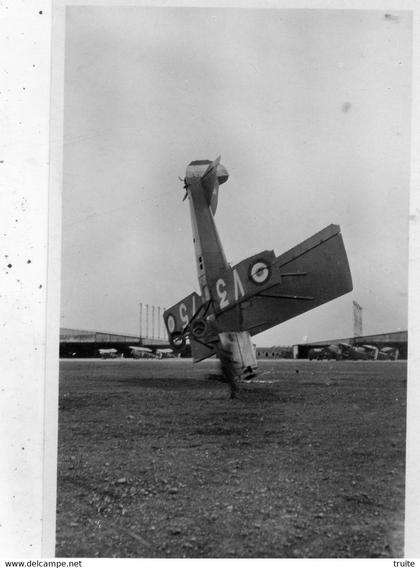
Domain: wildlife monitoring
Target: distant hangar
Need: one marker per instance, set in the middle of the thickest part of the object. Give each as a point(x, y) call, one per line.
point(84, 343)
point(395, 339)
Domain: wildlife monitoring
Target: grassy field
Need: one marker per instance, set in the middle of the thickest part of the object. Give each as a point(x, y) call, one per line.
point(155, 460)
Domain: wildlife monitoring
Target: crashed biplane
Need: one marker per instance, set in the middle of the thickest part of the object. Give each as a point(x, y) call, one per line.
point(262, 291)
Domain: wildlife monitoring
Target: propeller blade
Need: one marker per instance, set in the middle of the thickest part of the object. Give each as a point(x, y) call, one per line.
point(184, 181)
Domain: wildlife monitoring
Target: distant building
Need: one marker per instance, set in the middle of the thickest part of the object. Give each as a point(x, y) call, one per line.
point(275, 352)
point(396, 339)
point(85, 343)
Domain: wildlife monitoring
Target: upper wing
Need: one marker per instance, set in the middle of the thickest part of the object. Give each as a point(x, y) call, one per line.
point(263, 290)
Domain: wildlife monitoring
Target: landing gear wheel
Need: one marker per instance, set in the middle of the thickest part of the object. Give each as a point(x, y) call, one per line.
point(177, 341)
point(198, 328)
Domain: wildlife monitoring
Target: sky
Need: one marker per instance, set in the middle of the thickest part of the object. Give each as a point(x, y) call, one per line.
point(310, 111)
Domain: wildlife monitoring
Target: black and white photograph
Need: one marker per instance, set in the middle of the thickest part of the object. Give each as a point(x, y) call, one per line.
point(228, 289)
point(233, 330)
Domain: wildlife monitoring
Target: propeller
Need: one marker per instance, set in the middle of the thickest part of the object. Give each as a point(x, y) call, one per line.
point(184, 181)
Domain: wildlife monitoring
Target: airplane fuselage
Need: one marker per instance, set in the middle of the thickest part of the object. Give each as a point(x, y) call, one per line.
point(232, 346)
point(209, 253)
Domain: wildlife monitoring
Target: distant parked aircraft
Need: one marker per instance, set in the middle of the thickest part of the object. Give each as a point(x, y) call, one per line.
point(329, 352)
point(388, 354)
point(356, 352)
point(317, 353)
point(165, 353)
point(372, 351)
point(108, 353)
point(141, 352)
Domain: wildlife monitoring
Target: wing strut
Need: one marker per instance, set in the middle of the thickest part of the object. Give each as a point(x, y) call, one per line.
point(286, 296)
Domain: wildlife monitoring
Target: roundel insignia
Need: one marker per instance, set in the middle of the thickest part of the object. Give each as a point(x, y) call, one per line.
point(259, 272)
point(170, 323)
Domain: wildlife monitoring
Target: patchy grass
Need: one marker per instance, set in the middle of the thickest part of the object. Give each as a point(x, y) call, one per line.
point(155, 460)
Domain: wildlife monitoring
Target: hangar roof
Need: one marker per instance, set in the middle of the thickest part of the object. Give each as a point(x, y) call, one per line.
point(391, 337)
point(68, 335)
